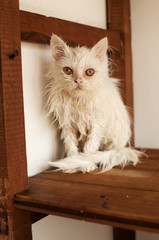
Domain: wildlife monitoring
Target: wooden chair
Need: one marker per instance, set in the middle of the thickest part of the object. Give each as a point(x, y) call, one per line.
point(126, 199)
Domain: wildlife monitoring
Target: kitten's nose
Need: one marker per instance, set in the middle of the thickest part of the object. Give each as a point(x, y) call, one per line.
point(78, 80)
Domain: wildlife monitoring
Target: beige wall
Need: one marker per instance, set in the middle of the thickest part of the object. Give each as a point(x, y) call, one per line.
point(145, 49)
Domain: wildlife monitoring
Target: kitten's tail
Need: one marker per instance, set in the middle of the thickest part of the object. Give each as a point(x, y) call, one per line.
point(104, 161)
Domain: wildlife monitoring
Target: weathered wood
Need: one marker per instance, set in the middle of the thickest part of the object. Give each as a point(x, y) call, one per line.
point(38, 28)
point(152, 153)
point(13, 165)
point(128, 177)
point(123, 198)
point(118, 19)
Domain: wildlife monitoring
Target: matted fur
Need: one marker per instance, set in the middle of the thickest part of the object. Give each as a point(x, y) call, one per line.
point(94, 123)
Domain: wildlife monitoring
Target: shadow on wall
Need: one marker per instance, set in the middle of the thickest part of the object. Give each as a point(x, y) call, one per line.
point(43, 142)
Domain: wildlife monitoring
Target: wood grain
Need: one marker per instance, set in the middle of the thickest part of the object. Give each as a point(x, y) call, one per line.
point(152, 153)
point(123, 198)
point(13, 165)
point(119, 20)
point(38, 28)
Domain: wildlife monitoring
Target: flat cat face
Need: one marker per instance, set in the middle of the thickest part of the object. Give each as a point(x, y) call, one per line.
point(79, 69)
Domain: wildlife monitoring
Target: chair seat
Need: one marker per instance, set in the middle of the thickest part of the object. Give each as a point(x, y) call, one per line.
point(126, 197)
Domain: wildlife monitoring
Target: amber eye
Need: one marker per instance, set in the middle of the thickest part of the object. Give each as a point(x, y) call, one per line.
point(67, 70)
point(89, 72)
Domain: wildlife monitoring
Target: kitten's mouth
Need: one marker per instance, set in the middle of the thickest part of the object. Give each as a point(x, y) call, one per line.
point(78, 87)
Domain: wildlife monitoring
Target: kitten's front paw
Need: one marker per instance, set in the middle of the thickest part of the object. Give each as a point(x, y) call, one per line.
point(70, 149)
point(72, 152)
point(90, 148)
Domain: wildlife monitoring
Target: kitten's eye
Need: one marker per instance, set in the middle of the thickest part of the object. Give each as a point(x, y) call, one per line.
point(89, 72)
point(67, 70)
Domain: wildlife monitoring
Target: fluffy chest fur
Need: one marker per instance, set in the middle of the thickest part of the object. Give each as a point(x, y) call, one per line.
point(76, 113)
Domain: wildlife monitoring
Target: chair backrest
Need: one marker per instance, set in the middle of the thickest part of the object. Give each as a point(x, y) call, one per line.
point(36, 28)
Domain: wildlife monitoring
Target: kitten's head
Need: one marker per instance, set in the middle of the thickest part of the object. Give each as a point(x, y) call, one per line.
point(79, 70)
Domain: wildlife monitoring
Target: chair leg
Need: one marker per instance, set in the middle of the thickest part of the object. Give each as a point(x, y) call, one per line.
point(15, 225)
point(123, 234)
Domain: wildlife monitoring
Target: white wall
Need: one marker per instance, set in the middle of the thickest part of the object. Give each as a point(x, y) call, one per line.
point(41, 144)
point(42, 139)
point(145, 49)
point(59, 228)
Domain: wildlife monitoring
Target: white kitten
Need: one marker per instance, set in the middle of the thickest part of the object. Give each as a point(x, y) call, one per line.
point(94, 123)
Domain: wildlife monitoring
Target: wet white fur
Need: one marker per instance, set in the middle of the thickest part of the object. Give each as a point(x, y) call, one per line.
point(94, 123)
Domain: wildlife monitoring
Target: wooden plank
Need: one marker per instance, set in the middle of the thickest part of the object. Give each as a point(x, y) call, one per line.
point(130, 177)
point(13, 165)
point(119, 197)
point(152, 153)
point(118, 19)
point(38, 28)
point(115, 206)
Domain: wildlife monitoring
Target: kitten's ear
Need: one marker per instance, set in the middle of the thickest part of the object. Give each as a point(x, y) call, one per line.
point(58, 47)
point(99, 50)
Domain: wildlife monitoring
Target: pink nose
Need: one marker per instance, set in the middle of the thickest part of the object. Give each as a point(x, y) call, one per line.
point(78, 80)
